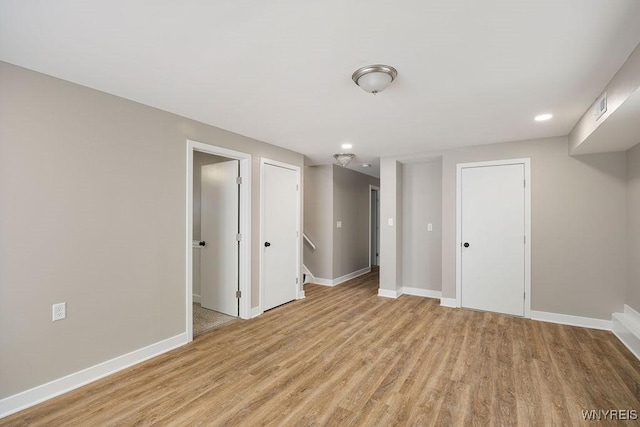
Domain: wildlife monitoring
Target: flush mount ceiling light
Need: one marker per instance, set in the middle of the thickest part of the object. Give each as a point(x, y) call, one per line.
point(374, 78)
point(347, 146)
point(543, 117)
point(344, 159)
point(366, 165)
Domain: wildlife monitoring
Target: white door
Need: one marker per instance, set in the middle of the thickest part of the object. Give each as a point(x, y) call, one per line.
point(280, 235)
point(493, 238)
point(219, 229)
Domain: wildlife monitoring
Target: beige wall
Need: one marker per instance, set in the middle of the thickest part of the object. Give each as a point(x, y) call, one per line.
point(92, 190)
point(578, 224)
point(422, 205)
point(632, 296)
point(351, 206)
point(318, 220)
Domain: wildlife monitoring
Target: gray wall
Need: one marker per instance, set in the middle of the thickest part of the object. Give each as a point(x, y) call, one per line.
point(422, 205)
point(92, 189)
point(632, 296)
point(351, 206)
point(318, 220)
point(579, 217)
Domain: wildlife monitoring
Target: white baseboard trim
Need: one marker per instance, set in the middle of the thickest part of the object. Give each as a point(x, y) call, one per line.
point(323, 282)
point(626, 326)
point(309, 277)
point(300, 294)
point(341, 279)
point(427, 293)
point(448, 302)
point(351, 275)
point(255, 312)
point(33, 396)
point(388, 293)
point(566, 319)
point(197, 299)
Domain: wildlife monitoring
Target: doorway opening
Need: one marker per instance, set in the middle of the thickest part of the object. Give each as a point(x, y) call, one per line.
point(218, 237)
point(374, 226)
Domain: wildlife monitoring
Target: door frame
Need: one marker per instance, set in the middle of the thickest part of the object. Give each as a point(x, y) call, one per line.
point(244, 256)
point(263, 162)
point(371, 189)
point(527, 225)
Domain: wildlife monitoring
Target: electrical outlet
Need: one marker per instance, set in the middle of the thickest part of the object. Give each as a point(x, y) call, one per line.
point(59, 311)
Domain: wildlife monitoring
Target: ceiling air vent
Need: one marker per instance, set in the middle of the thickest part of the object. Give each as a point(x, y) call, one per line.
point(600, 106)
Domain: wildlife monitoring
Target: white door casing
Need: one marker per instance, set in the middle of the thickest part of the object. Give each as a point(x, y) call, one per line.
point(374, 225)
point(245, 228)
point(493, 271)
point(220, 227)
point(280, 233)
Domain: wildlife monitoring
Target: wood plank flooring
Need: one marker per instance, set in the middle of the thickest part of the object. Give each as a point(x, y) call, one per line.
point(344, 356)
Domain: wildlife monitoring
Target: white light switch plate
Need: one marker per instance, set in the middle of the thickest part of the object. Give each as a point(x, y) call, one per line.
point(429, 227)
point(390, 222)
point(339, 224)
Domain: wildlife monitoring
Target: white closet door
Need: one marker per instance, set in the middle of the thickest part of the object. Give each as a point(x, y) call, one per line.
point(280, 239)
point(493, 231)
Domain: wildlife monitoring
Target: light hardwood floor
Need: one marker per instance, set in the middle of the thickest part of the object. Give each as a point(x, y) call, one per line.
point(344, 356)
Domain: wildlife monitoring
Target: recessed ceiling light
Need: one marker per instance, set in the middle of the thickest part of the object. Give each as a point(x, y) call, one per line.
point(366, 165)
point(543, 117)
point(347, 146)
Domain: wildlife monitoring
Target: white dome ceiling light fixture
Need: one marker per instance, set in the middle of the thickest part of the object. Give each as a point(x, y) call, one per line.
point(343, 159)
point(374, 78)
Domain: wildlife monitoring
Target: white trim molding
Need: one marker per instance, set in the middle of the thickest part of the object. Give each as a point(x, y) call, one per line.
point(196, 299)
point(256, 311)
point(388, 293)
point(301, 295)
point(323, 282)
point(567, 319)
point(309, 276)
point(33, 396)
point(373, 188)
point(626, 326)
point(427, 293)
point(448, 302)
point(244, 259)
point(527, 226)
point(341, 279)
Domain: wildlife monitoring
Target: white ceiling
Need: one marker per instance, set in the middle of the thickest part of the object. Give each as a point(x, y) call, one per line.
point(469, 72)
